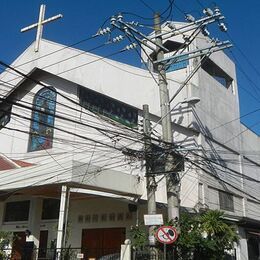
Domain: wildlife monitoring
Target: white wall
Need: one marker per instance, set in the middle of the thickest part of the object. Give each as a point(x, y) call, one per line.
point(212, 116)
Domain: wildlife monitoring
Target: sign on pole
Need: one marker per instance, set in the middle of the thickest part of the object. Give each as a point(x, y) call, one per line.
point(153, 220)
point(80, 256)
point(166, 234)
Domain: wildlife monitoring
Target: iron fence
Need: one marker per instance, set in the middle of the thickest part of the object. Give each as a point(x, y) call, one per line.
point(155, 254)
point(64, 253)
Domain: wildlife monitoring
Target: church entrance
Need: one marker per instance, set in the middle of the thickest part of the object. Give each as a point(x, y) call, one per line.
point(42, 253)
point(18, 245)
point(102, 241)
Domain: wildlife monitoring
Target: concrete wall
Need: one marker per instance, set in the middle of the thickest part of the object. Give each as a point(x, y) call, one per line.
point(128, 84)
point(211, 124)
point(88, 213)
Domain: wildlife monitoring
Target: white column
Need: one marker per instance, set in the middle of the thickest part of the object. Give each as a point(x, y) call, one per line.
point(64, 204)
point(242, 251)
point(34, 220)
point(125, 253)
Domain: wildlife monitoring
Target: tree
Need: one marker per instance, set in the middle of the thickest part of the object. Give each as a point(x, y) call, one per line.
point(6, 239)
point(139, 237)
point(205, 236)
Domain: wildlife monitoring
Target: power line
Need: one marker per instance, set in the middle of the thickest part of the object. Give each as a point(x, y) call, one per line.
point(65, 47)
point(235, 119)
point(201, 5)
point(101, 156)
point(226, 182)
point(63, 118)
point(244, 55)
point(87, 63)
point(252, 83)
point(76, 110)
point(74, 56)
point(229, 182)
point(44, 85)
point(225, 167)
point(140, 56)
point(61, 49)
point(242, 132)
point(179, 9)
point(147, 6)
point(68, 58)
point(151, 18)
point(17, 115)
point(169, 8)
point(54, 176)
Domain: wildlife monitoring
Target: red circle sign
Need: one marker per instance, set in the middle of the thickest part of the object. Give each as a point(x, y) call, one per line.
point(166, 234)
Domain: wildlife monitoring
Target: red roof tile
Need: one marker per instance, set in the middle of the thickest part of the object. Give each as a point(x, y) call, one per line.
point(6, 164)
point(23, 163)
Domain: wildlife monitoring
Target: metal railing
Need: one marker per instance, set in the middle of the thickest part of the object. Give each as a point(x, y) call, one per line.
point(152, 255)
point(65, 254)
point(51, 253)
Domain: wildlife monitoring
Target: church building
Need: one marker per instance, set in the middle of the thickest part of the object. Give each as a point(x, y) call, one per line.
point(72, 164)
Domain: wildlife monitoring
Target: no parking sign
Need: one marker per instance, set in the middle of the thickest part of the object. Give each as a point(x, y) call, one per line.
point(166, 234)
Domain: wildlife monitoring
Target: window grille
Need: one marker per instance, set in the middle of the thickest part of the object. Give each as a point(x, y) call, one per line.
point(226, 201)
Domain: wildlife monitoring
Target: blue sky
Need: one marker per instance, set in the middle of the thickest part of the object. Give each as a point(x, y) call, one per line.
point(82, 18)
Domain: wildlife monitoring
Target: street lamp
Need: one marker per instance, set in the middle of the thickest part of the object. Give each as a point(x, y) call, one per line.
point(190, 100)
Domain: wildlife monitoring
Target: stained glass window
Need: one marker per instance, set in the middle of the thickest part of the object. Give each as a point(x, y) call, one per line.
point(44, 106)
point(107, 106)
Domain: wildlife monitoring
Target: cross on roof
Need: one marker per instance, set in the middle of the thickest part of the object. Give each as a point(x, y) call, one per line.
point(39, 26)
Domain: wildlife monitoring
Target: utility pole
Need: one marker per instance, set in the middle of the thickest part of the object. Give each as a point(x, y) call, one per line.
point(154, 43)
point(172, 183)
point(151, 185)
point(150, 180)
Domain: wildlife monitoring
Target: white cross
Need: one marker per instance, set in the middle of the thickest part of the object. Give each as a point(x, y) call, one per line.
point(39, 26)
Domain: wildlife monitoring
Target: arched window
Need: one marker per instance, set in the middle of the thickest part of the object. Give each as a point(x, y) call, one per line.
point(41, 133)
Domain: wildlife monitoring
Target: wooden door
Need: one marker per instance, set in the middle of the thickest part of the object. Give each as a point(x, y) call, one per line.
point(43, 244)
point(18, 245)
point(103, 241)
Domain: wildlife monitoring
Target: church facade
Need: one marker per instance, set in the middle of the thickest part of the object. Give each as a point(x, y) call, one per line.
point(72, 138)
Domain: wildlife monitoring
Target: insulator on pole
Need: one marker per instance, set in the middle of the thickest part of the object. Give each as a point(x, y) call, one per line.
point(208, 12)
point(131, 46)
point(119, 17)
point(205, 32)
point(112, 20)
point(222, 27)
point(171, 25)
point(103, 31)
point(189, 18)
point(217, 11)
point(118, 38)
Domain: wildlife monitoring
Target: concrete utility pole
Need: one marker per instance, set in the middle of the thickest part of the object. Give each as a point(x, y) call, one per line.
point(151, 185)
point(155, 44)
point(172, 182)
